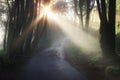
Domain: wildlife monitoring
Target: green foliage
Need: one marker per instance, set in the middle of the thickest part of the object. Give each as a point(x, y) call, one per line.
point(112, 71)
point(117, 28)
point(118, 43)
point(3, 8)
point(118, 6)
point(71, 49)
point(95, 58)
point(2, 52)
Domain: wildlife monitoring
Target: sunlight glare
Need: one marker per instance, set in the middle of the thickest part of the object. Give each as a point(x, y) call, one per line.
point(45, 10)
point(82, 39)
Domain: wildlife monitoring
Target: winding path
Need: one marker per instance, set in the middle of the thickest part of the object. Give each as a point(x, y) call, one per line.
point(51, 65)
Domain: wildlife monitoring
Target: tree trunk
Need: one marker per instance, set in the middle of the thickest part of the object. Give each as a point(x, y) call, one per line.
point(107, 30)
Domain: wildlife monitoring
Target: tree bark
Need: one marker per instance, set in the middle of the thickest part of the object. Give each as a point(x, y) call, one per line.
point(107, 29)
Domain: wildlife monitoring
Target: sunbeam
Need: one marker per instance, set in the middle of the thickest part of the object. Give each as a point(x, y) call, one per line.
point(45, 11)
point(82, 39)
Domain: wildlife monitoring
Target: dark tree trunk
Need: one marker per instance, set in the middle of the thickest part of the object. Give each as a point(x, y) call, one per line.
point(21, 29)
point(107, 29)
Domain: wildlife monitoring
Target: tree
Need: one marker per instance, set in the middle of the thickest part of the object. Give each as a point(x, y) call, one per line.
point(118, 6)
point(106, 9)
point(107, 26)
point(83, 9)
point(25, 26)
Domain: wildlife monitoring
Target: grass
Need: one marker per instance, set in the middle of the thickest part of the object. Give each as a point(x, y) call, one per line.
point(117, 43)
point(117, 28)
point(2, 52)
point(95, 58)
point(96, 66)
point(112, 71)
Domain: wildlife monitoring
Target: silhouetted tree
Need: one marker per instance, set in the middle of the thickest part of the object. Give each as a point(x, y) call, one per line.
point(106, 9)
point(83, 9)
point(107, 26)
point(24, 27)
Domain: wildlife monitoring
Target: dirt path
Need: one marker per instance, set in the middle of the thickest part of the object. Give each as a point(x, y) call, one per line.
point(51, 65)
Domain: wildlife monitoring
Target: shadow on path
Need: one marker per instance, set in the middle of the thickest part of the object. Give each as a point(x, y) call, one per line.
point(51, 65)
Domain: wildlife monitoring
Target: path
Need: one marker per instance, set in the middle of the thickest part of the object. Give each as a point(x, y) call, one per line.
point(51, 65)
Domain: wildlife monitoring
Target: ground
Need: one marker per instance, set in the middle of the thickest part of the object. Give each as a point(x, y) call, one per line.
point(55, 60)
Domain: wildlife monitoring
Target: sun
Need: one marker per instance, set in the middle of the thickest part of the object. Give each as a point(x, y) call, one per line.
point(45, 10)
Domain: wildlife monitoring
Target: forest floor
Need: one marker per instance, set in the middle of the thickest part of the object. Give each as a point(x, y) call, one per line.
point(95, 66)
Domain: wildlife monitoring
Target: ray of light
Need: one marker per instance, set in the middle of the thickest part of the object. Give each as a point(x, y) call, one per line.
point(26, 31)
point(82, 39)
point(44, 12)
